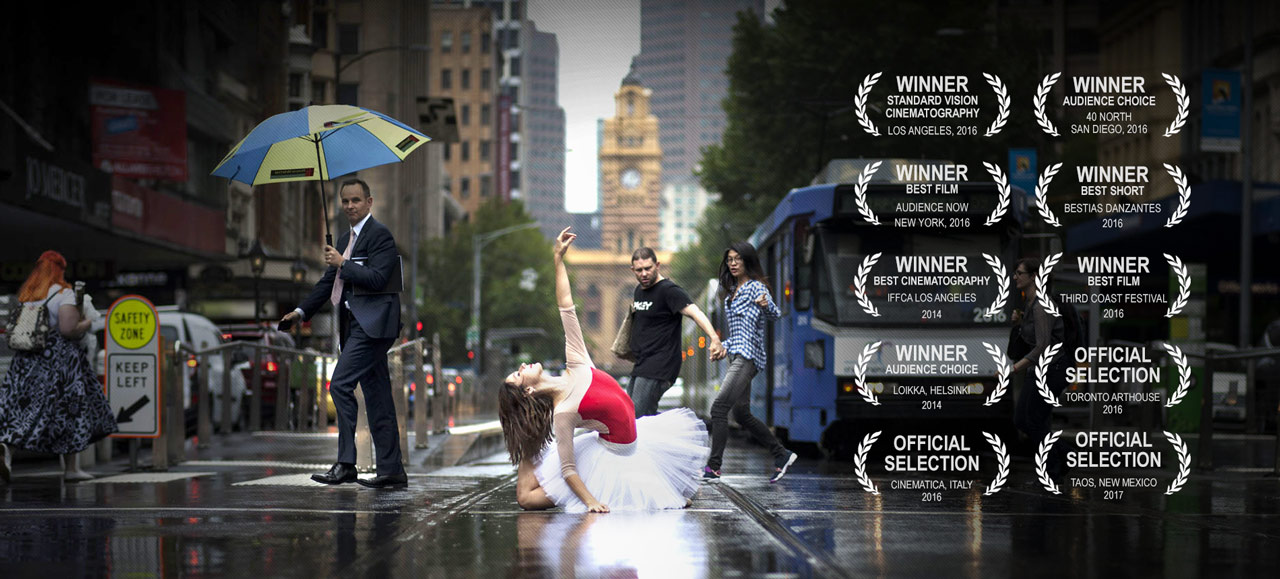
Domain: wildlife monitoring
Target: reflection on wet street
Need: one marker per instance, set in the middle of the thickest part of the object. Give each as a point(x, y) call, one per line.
point(246, 519)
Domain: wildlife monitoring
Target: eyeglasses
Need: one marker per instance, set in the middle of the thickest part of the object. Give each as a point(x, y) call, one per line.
point(733, 260)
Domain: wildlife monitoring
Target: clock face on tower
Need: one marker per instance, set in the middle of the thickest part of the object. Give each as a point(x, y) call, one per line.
point(630, 179)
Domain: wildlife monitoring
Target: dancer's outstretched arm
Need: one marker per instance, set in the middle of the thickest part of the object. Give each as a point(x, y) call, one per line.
point(564, 294)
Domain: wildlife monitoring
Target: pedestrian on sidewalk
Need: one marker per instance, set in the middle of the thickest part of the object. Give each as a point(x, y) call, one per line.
point(369, 321)
point(50, 399)
point(659, 306)
point(1035, 331)
point(748, 306)
point(624, 463)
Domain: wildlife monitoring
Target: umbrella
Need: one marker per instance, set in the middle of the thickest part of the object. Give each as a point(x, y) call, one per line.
point(318, 143)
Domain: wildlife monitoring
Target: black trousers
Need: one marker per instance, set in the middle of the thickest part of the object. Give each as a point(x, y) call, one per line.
point(364, 361)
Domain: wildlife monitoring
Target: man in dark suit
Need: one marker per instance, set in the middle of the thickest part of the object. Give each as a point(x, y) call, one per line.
point(369, 324)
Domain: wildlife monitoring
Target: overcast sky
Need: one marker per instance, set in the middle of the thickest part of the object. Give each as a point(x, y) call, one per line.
point(597, 39)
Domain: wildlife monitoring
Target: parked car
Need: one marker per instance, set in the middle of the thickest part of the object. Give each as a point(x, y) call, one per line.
point(197, 333)
point(242, 369)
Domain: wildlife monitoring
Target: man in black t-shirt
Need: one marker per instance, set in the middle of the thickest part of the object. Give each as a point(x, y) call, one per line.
point(655, 332)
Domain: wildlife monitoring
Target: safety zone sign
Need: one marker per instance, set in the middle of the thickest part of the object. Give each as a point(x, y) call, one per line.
point(133, 367)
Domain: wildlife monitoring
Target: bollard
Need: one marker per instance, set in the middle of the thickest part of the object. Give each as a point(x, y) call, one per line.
point(255, 402)
point(1252, 421)
point(306, 392)
point(204, 424)
point(284, 392)
point(419, 400)
point(227, 400)
point(177, 414)
point(400, 399)
point(323, 414)
point(1205, 445)
point(437, 372)
point(159, 444)
point(364, 439)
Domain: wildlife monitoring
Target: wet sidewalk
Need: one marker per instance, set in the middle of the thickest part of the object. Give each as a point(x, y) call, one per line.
point(246, 506)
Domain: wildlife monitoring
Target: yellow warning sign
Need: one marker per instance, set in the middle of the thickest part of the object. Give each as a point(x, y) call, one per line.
point(133, 324)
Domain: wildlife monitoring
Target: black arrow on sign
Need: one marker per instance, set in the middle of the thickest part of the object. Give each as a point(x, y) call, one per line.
point(126, 414)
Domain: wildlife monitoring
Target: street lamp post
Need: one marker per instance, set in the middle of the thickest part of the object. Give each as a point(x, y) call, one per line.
point(478, 241)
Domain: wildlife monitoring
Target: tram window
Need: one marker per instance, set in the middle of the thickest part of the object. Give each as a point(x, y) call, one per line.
point(804, 265)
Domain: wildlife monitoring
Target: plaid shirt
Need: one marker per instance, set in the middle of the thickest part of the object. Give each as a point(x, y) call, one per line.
point(746, 322)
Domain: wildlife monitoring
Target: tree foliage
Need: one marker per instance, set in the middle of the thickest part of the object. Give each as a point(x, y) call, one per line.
point(792, 83)
point(447, 272)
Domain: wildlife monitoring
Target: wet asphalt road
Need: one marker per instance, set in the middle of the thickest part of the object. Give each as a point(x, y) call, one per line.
point(244, 511)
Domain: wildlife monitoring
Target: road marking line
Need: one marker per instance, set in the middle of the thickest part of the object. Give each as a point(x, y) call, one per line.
point(146, 477)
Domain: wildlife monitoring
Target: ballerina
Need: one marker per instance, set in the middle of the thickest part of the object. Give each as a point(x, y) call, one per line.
point(623, 463)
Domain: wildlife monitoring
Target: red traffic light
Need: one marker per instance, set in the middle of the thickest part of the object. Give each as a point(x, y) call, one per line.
point(419, 326)
point(471, 354)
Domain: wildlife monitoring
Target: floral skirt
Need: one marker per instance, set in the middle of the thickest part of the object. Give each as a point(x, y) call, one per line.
point(50, 401)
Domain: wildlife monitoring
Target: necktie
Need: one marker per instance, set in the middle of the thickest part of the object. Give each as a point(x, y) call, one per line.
point(337, 280)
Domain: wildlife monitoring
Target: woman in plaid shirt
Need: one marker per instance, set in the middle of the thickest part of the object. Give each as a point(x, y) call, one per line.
point(747, 305)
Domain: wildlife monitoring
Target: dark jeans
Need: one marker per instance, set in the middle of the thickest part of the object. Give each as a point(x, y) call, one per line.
point(1034, 417)
point(735, 396)
point(645, 393)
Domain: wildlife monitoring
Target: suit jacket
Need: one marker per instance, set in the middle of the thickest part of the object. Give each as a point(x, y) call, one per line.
point(375, 249)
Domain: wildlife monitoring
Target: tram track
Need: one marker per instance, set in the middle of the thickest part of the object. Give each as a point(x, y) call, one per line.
point(820, 563)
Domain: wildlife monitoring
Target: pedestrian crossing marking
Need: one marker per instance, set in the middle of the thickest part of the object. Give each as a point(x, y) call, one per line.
point(470, 471)
point(146, 477)
point(288, 480)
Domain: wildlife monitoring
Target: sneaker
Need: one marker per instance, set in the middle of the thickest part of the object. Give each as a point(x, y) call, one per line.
point(710, 475)
point(782, 464)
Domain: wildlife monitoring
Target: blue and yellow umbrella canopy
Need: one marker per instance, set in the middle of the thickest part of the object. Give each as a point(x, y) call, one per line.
point(318, 143)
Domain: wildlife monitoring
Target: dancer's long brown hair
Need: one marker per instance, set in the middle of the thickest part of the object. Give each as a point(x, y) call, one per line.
point(526, 422)
point(50, 269)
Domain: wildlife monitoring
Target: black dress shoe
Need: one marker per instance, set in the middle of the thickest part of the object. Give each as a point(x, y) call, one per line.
point(340, 473)
point(398, 480)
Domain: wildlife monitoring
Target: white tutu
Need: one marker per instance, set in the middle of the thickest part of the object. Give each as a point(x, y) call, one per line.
point(660, 470)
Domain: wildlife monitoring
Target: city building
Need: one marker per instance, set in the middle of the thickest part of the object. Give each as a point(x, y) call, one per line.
point(631, 177)
point(463, 65)
point(544, 143)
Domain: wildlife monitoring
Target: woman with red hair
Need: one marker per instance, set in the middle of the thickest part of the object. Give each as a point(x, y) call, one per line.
point(50, 401)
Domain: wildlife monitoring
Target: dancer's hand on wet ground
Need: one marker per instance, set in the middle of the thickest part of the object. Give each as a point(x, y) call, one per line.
point(597, 508)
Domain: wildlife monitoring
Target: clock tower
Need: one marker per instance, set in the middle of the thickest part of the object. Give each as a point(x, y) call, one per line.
point(631, 171)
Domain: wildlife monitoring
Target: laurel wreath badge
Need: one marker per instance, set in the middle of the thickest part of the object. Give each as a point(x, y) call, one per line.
point(1002, 293)
point(1184, 375)
point(1042, 458)
point(860, 462)
point(1184, 285)
point(1002, 374)
point(1042, 285)
point(1037, 103)
point(1184, 104)
point(860, 193)
point(1002, 183)
point(1002, 98)
point(1184, 195)
point(1184, 463)
point(860, 104)
point(860, 373)
point(1002, 464)
point(1042, 375)
point(860, 284)
point(1042, 194)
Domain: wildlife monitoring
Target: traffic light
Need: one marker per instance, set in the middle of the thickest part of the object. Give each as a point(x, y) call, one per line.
point(702, 342)
point(471, 354)
point(419, 326)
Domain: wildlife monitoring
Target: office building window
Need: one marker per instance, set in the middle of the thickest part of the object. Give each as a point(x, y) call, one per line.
point(485, 145)
point(348, 38)
point(485, 78)
point(347, 94)
point(466, 114)
point(466, 79)
point(486, 185)
point(514, 62)
point(485, 40)
point(448, 148)
point(446, 79)
point(486, 111)
point(465, 152)
point(317, 92)
point(320, 29)
point(446, 41)
point(295, 85)
point(466, 42)
point(464, 187)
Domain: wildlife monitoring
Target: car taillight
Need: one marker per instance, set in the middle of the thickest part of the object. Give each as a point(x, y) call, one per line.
point(270, 366)
point(413, 386)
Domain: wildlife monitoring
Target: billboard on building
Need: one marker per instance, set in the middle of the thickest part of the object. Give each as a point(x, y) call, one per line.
point(138, 132)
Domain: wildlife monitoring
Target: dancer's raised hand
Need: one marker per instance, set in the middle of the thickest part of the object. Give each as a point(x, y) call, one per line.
point(563, 241)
